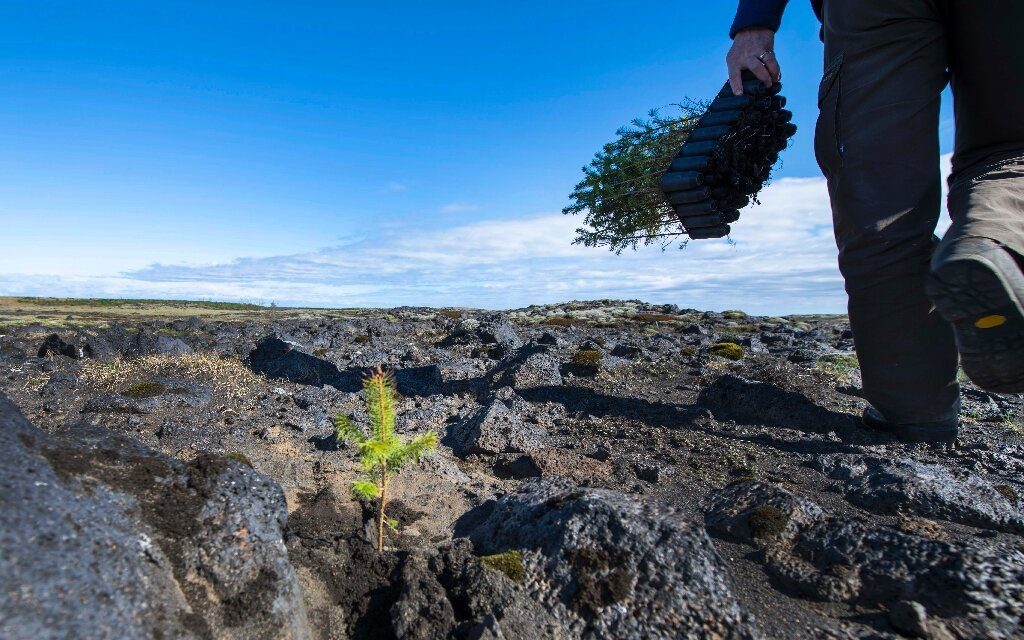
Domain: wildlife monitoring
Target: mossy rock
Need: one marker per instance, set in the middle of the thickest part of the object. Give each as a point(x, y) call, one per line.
point(558, 322)
point(766, 522)
point(728, 350)
point(652, 318)
point(146, 389)
point(240, 457)
point(733, 314)
point(587, 359)
point(361, 339)
point(510, 563)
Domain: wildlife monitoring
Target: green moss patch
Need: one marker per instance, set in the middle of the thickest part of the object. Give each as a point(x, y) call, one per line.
point(147, 389)
point(240, 457)
point(587, 359)
point(510, 563)
point(728, 350)
point(767, 521)
point(1007, 492)
point(734, 315)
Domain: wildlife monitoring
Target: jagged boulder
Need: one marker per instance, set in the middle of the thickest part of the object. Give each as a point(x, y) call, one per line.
point(977, 588)
point(54, 345)
point(493, 429)
point(614, 566)
point(278, 358)
point(929, 490)
point(498, 330)
point(143, 545)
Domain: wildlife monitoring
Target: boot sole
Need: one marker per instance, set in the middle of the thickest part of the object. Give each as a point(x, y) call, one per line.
point(982, 295)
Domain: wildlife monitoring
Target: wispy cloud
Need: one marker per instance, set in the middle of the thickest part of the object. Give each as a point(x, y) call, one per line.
point(782, 259)
point(460, 207)
point(397, 187)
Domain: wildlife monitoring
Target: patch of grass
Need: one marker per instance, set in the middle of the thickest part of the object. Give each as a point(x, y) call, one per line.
point(587, 359)
point(510, 563)
point(733, 314)
point(229, 377)
point(115, 303)
point(145, 389)
point(767, 521)
point(454, 314)
point(558, 322)
point(840, 367)
point(727, 350)
point(240, 457)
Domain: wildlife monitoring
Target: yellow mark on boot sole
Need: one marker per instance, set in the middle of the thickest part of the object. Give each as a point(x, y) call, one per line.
point(990, 322)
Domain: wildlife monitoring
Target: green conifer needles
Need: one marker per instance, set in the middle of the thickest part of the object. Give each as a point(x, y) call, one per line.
point(381, 451)
point(620, 195)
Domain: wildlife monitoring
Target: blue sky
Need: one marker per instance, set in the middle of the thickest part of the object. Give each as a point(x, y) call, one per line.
point(371, 154)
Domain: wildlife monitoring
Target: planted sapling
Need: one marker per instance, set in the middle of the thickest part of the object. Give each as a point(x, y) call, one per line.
point(381, 451)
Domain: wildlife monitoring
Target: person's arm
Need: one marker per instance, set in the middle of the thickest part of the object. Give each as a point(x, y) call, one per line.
point(753, 47)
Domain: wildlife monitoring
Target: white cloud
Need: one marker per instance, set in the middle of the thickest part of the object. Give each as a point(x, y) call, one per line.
point(782, 259)
point(460, 207)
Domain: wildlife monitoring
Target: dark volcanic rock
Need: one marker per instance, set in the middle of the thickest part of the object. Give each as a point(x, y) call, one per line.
point(929, 490)
point(745, 401)
point(613, 566)
point(144, 546)
point(530, 367)
point(12, 348)
point(979, 589)
point(498, 330)
point(442, 592)
point(146, 343)
point(493, 429)
point(54, 345)
point(419, 381)
point(280, 359)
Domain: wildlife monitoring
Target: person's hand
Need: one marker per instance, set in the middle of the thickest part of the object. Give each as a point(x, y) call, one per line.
point(753, 50)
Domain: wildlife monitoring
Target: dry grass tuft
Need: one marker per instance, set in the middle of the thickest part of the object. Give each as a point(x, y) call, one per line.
point(229, 377)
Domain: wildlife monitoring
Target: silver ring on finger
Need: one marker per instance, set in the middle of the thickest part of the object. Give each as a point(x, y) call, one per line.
point(765, 54)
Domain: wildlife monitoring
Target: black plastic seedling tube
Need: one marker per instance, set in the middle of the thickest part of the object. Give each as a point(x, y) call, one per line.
point(688, 197)
point(706, 233)
point(681, 181)
point(730, 103)
point(697, 163)
point(699, 148)
point(722, 118)
point(694, 209)
point(707, 133)
point(697, 222)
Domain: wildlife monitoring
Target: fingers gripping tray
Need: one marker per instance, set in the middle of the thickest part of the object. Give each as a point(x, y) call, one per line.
point(727, 159)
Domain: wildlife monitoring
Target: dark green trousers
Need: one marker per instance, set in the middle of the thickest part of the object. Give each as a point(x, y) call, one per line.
point(886, 62)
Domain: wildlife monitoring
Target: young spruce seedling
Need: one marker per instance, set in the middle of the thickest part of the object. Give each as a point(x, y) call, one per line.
point(381, 452)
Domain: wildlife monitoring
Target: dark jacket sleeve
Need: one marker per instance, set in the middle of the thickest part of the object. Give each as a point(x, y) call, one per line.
point(766, 14)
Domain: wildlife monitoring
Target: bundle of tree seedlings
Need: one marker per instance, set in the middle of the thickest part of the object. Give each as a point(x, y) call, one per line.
point(687, 173)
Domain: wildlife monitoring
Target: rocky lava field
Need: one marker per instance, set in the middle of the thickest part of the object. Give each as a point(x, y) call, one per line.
point(607, 470)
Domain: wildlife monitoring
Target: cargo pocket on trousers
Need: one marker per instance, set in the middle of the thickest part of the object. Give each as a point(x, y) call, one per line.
point(828, 135)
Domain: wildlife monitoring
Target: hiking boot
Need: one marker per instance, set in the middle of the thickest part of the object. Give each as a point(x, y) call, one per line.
point(977, 285)
point(943, 431)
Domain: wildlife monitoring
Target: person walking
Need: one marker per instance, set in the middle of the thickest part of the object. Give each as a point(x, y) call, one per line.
point(916, 302)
